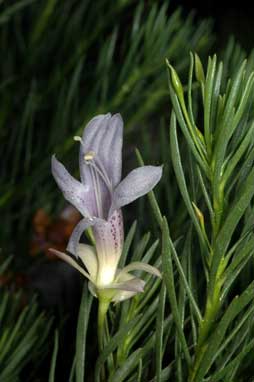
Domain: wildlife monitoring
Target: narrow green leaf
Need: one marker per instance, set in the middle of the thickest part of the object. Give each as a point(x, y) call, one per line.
point(219, 376)
point(83, 318)
point(206, 194)
point(150, 252)
point(191, 276)
point(117, 339)
point(141, 247)
point(177, 164)
point(236, 306)
point(127, 244)
point(215, 108)
point(226, 129)
point(159, 333)
point(72, 372)
point(165, 374)
point(235, 213)
point(233, 93)
point(137, 22)
point(140, 368)
point(190, 87)
point(129, 365)
point(184, 128)
point(148, 316)
point(232, 273)
point(238, 153)
point(248, 87)
point(199, 70)
point(237, 345)
point(184, 280)
point(43, 20)
point(15, 331)
point(151, 196)
point(234, 332)
point(168, 277)
point(208, 96)
point(13, 9)
point(23, 347)
point(242, 251)
point(54, 357)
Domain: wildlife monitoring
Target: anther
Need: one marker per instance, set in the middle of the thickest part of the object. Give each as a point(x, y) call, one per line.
point(89, 155)
point(77, 138)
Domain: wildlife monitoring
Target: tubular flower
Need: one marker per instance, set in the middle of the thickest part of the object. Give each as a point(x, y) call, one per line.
point(99, 198)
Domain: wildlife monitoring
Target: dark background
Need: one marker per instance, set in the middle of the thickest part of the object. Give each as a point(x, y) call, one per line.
point(229, 19)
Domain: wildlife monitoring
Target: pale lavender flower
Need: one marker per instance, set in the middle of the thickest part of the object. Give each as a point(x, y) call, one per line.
point(99, 198)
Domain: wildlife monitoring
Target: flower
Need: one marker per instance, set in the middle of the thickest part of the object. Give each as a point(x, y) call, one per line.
point(99, 198)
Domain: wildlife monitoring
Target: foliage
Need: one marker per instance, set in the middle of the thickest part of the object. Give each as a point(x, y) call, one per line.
point(220, 140)
point(23, 337)
point(65, 63)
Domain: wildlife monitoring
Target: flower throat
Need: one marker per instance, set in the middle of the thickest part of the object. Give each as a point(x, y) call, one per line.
point(98, 173)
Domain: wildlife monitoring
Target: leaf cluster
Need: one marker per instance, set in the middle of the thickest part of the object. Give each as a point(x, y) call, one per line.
point(220, 140)
point(24, 334)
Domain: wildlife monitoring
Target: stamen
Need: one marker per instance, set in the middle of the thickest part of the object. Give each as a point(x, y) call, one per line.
point(89, 156)
point(77, 138)
point(103, 172)
point(96, 191)
point(97, 172)
point(105, 179)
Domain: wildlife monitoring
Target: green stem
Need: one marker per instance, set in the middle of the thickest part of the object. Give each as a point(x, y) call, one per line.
point(213, 293)
point(211, 311)
point(102, 312)
point(122, 351)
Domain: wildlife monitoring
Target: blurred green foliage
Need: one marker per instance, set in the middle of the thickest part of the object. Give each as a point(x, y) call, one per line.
point(64, 62)
point(24, 335)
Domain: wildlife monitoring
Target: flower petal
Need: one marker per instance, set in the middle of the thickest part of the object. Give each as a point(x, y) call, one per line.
point(76, 234)
point(111, 150)
point(93, 134)
point(124, 294)
point(88, 257)
point(92, 288)
point(137, 183)
point(133, 285)
point(75, 192)
point(139, 266)
point(68, 259)
point(108, 237)
point(104, 136)
point(91, 140)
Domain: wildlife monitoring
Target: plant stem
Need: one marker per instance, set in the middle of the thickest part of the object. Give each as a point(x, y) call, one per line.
point(213, 294)
point(212, 308)
point(102, 312)
point(211, 311)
